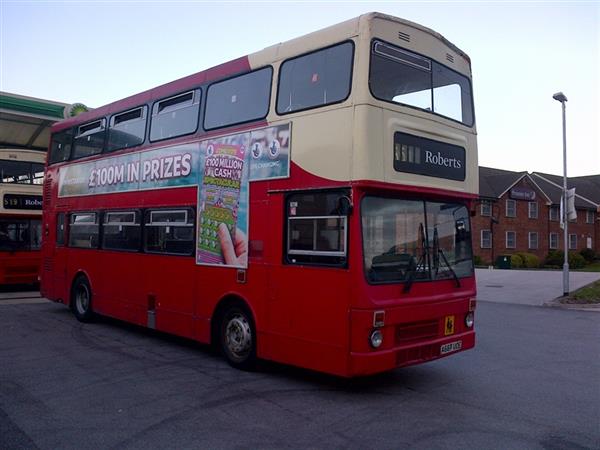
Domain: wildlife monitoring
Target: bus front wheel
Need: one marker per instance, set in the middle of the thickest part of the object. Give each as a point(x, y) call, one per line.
point(238, 337)
point(81, 300)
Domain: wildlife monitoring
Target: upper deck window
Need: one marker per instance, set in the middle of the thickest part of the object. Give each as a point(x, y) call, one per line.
point(127, 129)
point(400, 76)
point(175, 116)
point(316, 79)
point(21, 172)
point(60, 149)
point(238, 100)
point(89, 139)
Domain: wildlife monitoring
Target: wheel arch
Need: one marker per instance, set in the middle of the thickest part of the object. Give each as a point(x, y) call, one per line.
point(228, 300)
point(80, 273)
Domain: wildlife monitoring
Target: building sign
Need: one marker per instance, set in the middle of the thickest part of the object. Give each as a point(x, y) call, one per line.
point(522, 193)
point(175, 166)
point(20, 201)
point(423, 156)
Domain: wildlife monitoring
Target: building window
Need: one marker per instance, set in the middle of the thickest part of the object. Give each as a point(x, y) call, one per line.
point(572, 242)
point(533, 240)
point(511, 208)
point(589, 216)
point(533, 210)
point(486, 208)
point(554, 210)
point(511, 239)
point(553, 241)
point(486, 239)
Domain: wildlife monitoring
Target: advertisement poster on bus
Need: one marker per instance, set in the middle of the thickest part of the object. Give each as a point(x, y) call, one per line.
point(270, 153)
point(161, 168)
point(222, 228)
point(175, 166)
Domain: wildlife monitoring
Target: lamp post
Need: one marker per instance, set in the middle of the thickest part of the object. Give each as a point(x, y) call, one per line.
point(560, 97)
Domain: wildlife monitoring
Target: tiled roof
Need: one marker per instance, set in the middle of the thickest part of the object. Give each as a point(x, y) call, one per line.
point(587, 188)
point(493, 182)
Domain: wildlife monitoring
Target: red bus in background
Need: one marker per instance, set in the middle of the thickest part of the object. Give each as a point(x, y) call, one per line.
point(21, 178)
point(307, 204)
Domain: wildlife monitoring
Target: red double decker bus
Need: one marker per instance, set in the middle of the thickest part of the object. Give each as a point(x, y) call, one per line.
point(21, 178)
point(307, 204)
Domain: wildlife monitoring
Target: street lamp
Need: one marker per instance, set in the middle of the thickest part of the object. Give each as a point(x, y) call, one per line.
point(560, 97)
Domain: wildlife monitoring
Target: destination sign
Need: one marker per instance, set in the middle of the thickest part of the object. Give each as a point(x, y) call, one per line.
point(21, 201)
point(413, 154)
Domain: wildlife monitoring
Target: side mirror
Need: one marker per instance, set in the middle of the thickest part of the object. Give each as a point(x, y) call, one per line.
point(345, 206)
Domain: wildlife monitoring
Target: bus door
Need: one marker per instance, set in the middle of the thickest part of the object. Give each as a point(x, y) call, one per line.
point(59, 255)
point(310, 290)
point(170, 270)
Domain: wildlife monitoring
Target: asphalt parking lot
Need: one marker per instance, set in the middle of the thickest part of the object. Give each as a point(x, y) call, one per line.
point(527, 287)
point(531, 382)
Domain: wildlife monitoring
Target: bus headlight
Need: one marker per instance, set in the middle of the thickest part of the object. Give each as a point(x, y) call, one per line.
point(376, 338)
point(469, 320)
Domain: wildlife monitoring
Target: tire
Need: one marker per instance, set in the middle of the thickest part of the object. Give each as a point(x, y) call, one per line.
point(237, 337)
point(81, 300)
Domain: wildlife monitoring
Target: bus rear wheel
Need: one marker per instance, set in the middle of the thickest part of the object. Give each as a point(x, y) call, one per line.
point(238, 337)
point(81, 300)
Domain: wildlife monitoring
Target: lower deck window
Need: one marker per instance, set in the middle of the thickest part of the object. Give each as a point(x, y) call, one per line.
point(20, 234)
point(121, 230)
point(84, 230)
point(316, 229)
point(317, 235)
point(169, 231)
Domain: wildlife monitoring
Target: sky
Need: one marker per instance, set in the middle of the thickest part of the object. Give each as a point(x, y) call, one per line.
point(96, 52)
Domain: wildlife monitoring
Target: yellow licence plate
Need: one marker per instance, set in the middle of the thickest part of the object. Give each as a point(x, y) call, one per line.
point(449, 325)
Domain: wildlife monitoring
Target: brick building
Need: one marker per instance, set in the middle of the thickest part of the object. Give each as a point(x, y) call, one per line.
point(520, 212)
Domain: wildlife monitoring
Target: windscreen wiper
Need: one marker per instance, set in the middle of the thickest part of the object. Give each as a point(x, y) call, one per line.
point(441, 253)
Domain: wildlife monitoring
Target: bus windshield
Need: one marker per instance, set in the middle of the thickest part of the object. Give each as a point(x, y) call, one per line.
point(404, 77)
point(406, 240)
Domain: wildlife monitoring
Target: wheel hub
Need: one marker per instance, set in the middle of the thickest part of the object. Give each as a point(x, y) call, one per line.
point(82, 299)
point(238, 336)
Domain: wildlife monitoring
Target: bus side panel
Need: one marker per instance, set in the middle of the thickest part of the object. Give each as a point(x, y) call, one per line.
point(215, 284)
point(19, 267)
point(171, 288)
point(120, 285)
point(308, 312)
point(307, 308)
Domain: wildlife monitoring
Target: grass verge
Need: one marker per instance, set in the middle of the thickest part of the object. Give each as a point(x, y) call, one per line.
point(587, 295)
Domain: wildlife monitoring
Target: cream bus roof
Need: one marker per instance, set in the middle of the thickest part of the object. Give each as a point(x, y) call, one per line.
point(334, 33)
